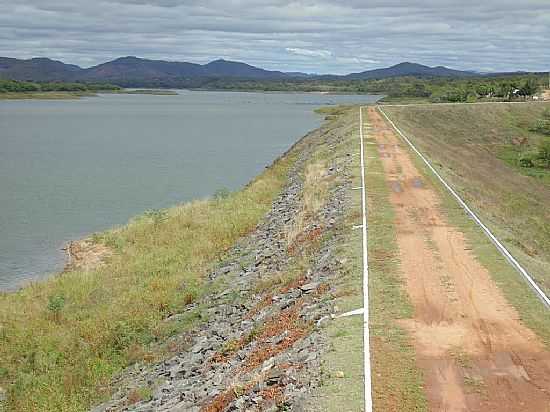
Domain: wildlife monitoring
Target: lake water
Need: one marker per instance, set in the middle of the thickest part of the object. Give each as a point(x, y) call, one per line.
point(72, 167)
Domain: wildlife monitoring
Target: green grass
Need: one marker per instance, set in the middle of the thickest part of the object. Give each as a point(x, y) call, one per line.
point(512, 155)
point(62, 340)
point(342, 367)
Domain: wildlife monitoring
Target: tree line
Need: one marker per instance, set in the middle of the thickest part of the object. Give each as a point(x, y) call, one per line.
point(14, 86)
point(435, 89)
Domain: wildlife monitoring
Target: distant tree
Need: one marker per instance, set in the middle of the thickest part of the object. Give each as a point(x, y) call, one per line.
point(484, 90)
point(505, 90)
point(529, 87)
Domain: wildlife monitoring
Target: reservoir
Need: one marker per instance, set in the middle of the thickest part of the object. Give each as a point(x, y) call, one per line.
point(72, 167)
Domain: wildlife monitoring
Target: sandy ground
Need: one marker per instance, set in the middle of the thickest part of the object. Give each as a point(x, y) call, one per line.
point(86, 255)
point(474, 352)
point(546, 95)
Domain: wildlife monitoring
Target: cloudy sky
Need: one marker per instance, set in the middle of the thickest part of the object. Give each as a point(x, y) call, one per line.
point(323, 36)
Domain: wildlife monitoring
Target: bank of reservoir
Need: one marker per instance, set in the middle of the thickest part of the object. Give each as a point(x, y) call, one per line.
point(72, 167)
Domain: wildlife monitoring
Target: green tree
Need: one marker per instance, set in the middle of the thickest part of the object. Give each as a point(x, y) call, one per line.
point(529, 87)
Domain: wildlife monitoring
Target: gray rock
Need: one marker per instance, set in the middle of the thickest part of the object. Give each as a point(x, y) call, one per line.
point(274, 376)
point(309, 287)
point(199, 346)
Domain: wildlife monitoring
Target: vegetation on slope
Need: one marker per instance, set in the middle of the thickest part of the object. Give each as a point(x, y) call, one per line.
point(538, 158)
point(62, 340)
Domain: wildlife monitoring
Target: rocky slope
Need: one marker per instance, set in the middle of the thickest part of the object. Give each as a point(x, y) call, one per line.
point(259, 347)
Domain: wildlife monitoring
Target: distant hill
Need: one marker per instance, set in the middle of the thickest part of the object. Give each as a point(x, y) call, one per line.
point(136, 72)
point(133, 68)
point(409, 69)
point(38, 69)
point(133, 71)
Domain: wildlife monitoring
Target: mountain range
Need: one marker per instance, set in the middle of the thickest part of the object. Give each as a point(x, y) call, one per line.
point(133, 71)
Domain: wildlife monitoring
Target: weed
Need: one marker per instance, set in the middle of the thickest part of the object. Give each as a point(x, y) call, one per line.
point(474, 384)
point(221, 194)
point(156, 215)
point(56, 303)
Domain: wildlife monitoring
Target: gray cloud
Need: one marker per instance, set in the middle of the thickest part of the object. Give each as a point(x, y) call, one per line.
point(336, 36)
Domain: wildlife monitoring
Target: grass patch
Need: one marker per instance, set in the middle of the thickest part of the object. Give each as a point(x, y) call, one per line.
point(342, 365)
point(314, 196)
point(475, 385)
point(62, 340)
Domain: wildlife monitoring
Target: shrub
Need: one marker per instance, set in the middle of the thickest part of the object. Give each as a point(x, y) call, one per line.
point(526, 160)
point(543, 154)
point(543, 125)
point(55, 306)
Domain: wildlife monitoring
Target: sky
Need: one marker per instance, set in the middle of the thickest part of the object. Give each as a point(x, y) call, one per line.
point(322, 36)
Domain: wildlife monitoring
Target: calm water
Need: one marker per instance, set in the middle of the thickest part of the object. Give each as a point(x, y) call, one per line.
point(69, 168)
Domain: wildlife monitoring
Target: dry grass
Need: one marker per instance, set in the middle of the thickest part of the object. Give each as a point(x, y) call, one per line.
point(63, 339)
point(316, 184)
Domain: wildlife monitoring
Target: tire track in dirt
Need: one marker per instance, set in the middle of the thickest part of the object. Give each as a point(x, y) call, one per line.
point(474, 352)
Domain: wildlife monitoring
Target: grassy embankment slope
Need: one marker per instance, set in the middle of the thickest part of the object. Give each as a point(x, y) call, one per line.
point(61, 340)
point(477, 148)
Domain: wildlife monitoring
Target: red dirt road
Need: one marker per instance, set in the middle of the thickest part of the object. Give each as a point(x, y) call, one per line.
point(473, 350)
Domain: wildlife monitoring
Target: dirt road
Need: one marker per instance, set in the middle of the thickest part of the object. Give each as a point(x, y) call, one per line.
point(470, 344)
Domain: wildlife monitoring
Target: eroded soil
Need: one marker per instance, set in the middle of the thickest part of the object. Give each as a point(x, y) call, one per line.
point(86, 255)
point(475, 353)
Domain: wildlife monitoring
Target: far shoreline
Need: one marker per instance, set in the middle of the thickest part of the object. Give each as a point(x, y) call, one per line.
point(82, 243)
point(72, 95)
